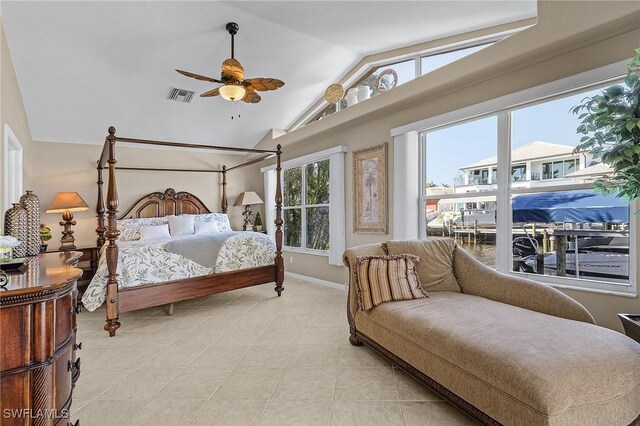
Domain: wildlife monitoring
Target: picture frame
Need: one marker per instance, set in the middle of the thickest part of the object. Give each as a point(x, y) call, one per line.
point(370, 210)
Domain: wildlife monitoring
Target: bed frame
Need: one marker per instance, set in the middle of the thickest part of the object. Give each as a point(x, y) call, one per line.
point(158, 204)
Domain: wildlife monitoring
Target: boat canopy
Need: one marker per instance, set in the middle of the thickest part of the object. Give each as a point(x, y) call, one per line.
point(576, 206)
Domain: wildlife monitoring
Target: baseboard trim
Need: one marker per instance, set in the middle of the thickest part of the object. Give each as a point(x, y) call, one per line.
point(318, 281)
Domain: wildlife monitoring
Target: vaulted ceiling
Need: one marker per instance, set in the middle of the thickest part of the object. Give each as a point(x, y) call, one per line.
point(83, 66)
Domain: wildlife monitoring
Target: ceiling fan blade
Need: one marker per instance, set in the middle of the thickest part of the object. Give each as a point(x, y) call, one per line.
point(198, 76)
point(232, 68)
point(212, 92)
point(251, 97)
point(264, 84)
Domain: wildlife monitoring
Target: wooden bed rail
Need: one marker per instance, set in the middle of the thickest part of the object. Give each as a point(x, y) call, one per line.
point(108, 233)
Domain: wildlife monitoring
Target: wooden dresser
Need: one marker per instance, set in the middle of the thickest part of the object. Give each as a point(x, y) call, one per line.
point(38, 363)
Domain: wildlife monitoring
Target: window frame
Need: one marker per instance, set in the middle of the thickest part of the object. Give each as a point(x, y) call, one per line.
point(503, 108)
point(303, 208)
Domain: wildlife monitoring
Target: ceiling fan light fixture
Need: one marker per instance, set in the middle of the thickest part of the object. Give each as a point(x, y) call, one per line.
point(232, 92)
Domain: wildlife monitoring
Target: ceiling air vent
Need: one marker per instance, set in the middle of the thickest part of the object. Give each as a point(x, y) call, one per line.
point(180, 95)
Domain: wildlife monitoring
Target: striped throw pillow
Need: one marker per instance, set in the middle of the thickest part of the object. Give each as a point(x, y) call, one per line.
point(382, 279)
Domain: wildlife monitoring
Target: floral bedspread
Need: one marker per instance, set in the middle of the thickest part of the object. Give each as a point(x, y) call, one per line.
point(147, 262)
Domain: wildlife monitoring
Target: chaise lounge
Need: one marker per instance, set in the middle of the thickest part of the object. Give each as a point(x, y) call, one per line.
point(505, 350)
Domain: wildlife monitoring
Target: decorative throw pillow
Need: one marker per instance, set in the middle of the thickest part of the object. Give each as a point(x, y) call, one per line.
point(436, 261)
point(154, 232)
point(130, 228)
point(220, 218)
point(181, 225)
point(205, 228)
point(387, 278)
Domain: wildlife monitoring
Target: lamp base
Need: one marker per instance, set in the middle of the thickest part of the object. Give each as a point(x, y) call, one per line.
point(68, 242)
point(247, 218)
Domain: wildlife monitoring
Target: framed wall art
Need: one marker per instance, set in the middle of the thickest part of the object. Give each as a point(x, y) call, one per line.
point(370, 190)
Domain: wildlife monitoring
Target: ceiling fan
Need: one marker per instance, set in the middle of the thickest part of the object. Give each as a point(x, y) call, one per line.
point(234, 86)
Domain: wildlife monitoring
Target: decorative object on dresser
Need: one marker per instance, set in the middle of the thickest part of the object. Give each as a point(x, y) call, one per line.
point(67, 203)
point(29, 201)
point(234, 86)
point(247, 199)
point(334, 93)
point(38, 362)
point(7, 243)
point(88, 263)
point(45, 235)
point(257, 223)
point(15, 224)
point(158, 204)
point(370, 190)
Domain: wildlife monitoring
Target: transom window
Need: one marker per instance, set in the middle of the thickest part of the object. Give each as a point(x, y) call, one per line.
point(306, 206)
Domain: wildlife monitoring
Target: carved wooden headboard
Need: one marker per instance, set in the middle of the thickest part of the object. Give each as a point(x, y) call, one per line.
point(158, 204)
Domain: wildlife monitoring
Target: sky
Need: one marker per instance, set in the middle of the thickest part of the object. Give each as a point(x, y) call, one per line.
point(470, 142)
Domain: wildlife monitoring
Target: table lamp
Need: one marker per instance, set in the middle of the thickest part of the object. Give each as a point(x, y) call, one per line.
point(247, 199)
point(67, 203)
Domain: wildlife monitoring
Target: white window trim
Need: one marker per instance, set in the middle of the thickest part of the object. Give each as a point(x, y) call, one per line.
point(13, 154)
point(502, 107)
point(337, 206)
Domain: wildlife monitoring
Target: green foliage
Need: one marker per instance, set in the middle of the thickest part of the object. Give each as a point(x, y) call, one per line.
point(610, 125)
point(258, 220)
point(45, 233)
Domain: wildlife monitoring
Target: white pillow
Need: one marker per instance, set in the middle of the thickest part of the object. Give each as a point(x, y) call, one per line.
point(204, 228)
point(153, 232)
point(180, 225)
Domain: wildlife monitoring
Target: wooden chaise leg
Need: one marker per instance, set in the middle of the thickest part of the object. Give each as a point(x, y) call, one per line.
point(170, 312)
point(353, 339)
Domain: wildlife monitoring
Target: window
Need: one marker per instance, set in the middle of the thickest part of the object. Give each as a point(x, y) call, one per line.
point(306, 206)
point(313, 203)
point(405, 70)
point(545, 220)
point(13, 168)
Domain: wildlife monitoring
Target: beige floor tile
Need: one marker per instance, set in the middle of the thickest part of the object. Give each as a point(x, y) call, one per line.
point(202, 311)
point(409, 389)
point(96, 381)
point(141, 384)
point(315, 356)
point(230, 412)
point(167, 412)
point(376, 384)
point(267, 356)
point(249, 383)
point(434, 414)
point(220, 357)
point(288, 412)
point(96, 357)
point(122, 339)
point(198, 338)
point(160, 338)
point(307, 383)
point(366, 413)
point(338, 319)
point(290, 321)
point(184, 322)
point(280, 337)
point(108, 412)
point(361, 356)
point(172, 357)
point(193, 383)
point(325, 335)
point(238, 338)
point(131, 357)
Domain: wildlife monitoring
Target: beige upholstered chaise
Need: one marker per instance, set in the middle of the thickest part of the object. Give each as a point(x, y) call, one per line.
point(504, 349)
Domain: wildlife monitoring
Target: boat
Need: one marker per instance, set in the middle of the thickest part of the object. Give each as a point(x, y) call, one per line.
point(596, 262)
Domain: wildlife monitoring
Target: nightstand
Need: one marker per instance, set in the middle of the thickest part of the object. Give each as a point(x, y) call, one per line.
point(88, 263)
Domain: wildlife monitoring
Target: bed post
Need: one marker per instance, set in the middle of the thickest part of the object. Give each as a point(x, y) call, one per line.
point(224, 190)
point(279, 260)
point(112, 323)
point(100, 230)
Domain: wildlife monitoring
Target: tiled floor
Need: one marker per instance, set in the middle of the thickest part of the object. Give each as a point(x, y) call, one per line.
point(241, 358)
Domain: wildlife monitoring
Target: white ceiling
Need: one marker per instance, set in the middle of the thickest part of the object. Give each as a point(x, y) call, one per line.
point(83, 66)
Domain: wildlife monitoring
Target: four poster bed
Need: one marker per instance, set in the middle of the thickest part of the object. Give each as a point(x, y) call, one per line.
point(154, 208)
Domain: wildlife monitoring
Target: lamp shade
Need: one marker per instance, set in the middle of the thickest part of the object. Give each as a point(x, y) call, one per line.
point(247, 198)
point(64, 201)
point(232, 92)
